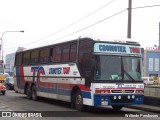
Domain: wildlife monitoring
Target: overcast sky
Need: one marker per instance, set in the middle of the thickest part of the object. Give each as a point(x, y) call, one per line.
point(40, 19)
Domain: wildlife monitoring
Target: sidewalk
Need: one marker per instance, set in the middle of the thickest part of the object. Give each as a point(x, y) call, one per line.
point(151, 104)
point(149, 108)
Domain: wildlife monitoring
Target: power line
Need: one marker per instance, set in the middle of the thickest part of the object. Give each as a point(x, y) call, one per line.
point(103, 20)
point(90, 25)
point(84, 18)
point(94, 23)
point(73, 22)
point(146, 6)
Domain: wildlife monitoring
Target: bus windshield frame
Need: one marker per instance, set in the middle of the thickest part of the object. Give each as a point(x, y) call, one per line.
point(118, 68)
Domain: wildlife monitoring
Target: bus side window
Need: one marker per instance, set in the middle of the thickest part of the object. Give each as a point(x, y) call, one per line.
point(18, 59)
point(73, 52)
point(44, 54)
point(26, 58)
point(65, 52)
point(85, 47)
point(57, 54)
point(34, 57)
point(88, 68)
point(51, 55)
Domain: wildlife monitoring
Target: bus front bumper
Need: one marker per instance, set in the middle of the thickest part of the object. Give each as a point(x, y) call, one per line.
point(118, 99)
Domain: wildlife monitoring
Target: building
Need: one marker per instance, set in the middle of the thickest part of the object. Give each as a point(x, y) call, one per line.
point(9, 63)
point(151, 61)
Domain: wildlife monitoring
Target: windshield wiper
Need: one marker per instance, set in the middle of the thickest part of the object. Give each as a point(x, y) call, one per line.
point(128, 75)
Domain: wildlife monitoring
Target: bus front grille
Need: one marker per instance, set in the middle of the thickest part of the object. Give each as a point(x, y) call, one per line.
point(122, 91)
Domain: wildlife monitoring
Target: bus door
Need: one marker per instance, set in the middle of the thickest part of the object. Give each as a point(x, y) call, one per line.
point(88, 67)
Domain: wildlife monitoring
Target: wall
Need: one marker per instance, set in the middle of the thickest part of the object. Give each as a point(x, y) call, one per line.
point(151, 62)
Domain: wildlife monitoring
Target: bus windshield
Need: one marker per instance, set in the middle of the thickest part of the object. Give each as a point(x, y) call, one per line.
point(118, 68)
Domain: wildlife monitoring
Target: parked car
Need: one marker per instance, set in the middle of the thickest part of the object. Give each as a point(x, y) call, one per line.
point(157, 81)
point(2, 87)
point(6, 75)
point(148, 80)
point(9, 83)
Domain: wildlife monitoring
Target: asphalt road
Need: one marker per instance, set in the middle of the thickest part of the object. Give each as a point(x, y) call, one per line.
point(58, 110)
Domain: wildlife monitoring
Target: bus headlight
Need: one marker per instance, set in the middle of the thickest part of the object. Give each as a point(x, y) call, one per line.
point(115, 97)
point(129, 97)
point(119, 97)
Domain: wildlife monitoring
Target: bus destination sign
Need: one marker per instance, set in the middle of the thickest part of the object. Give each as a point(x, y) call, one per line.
point(116, 48)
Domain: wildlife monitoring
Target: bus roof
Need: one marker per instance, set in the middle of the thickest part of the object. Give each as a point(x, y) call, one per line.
point(112, 40)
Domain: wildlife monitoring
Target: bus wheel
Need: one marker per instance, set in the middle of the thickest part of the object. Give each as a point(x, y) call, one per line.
point(73, 100)
point(34, 93)
point(117, 107)
point(28, 92)
point(78, 99)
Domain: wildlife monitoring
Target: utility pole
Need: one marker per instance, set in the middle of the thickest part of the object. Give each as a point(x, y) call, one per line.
point(159, 34)
point(129, 18)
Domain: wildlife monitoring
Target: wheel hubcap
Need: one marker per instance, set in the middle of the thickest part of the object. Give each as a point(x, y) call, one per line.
point(78, 99)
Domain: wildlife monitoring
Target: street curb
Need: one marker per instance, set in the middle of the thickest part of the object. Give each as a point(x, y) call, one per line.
point(151, 104)
point(153, 101)
point(149, 109)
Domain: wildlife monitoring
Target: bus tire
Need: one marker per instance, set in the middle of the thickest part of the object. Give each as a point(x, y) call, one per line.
point(34, 93)
point(73, 100)
point(78, 100)
point(117, 107)
point(28, 92)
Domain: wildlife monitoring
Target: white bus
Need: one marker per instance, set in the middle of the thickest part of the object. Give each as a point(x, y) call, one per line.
point(83, 71)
